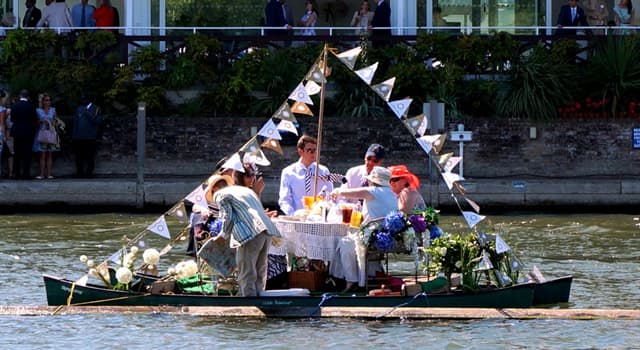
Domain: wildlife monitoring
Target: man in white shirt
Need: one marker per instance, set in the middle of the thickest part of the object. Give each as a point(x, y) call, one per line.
point(355, 177)
point(296, 180)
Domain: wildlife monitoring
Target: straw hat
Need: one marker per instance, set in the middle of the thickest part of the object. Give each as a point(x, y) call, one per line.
point(379, 175)
point(211, 183)
point(401, 171)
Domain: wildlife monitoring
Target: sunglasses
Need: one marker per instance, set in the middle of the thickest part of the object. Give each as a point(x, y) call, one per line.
point(373, 160)
point(395, 179)
point(310, 150)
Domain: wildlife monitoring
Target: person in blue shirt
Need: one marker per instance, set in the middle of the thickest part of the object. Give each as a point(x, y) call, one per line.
point(82, 15)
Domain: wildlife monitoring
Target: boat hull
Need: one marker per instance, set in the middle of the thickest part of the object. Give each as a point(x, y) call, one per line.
point(553, 291)
point(59, 289)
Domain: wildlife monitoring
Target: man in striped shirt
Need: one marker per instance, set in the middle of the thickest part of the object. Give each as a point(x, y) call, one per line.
point(250, 230)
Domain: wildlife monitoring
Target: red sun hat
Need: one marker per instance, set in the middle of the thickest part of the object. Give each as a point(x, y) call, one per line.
point(401, 171)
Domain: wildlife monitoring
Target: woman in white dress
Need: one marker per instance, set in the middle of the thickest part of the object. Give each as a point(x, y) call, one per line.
point(362, 18)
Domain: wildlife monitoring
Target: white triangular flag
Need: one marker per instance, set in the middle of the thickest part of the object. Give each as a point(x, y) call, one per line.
point(501, 245)
point(384, 89)
point(300, 95)
point(450, 178)
point(116, 257)
point(473, 205)
point(180, 212)
point(286, 125)
point(417, 125)
point(284, 112)
point(349, 57)
point(82, 281)
point(316, 74)
point(269, 130)
point(515, 263)
point(234, 162)
point(472, 218)
point(251, 146)
point(160, 228)
point(442, 160)
point(400, 107)
point(485, 263)
point(197, 195)
point(426, 145)
point(312, 88)
point(257, 158)
point(436, 141)
point(451, 163)
point(367, 73)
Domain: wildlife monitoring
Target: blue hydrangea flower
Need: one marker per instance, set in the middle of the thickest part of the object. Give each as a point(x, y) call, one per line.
point(384, 242)
point(435, 232)
point(394, 222)
point(418, 223)
point(215, 227)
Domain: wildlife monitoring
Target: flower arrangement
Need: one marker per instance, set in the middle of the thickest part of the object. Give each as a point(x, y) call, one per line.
point(184, 269)
point(399, 232)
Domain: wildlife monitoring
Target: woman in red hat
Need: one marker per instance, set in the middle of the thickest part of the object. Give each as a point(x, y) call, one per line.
point(405, 185)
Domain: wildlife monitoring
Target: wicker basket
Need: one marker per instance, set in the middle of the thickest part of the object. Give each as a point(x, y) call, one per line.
point(311, 280)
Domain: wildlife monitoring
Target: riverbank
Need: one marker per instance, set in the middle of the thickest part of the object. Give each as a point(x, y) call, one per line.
point(159, 193)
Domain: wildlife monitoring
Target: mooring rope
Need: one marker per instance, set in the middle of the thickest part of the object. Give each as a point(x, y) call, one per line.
point(96, 301)
point(325, 297)
point(415, 297)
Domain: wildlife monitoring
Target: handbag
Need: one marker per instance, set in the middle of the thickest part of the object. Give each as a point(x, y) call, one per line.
point(48, 135)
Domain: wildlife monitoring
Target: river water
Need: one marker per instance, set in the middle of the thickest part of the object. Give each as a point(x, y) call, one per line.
point(601, 251)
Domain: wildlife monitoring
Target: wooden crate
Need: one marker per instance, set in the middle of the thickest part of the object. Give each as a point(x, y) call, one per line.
point(311, 280)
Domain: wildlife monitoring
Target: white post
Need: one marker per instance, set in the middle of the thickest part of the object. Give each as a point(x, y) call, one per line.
point(461, 136)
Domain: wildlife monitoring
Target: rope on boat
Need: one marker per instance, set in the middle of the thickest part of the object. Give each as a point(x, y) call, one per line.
point(325, 297)
point(415, 297)
point(95, 301)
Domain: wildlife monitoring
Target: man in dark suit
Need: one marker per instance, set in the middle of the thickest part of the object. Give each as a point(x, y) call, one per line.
point(85, 135)
point(571, 15)
point(23, 130)
point(32, 16)
point(275, 17)
point(381, 18)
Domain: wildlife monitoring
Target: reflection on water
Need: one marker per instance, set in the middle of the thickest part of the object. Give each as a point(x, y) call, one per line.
point(601, 251)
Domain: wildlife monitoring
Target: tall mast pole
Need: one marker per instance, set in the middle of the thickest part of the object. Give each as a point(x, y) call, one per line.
point(324, 68)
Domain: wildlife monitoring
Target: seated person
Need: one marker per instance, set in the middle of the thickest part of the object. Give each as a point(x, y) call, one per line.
point(378, 202)
point(405, 185)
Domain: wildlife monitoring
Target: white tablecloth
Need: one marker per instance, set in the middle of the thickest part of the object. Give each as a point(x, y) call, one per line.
point(315, 240)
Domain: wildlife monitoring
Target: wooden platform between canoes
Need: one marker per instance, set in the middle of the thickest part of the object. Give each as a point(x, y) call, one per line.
point(345, 312)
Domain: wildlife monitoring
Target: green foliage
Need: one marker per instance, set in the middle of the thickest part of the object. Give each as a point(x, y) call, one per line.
point(196, 64)
point(231, 13)
point(478, 98)
point(537, 85)
point(152, 96)
point(614, 70)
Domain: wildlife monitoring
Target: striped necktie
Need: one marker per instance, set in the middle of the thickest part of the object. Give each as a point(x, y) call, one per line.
point(307, 181)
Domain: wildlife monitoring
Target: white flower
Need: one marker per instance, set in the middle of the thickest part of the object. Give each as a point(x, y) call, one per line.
point(124, 275)
point(93, 272)
point(186, 269)
point(443, 251)
point(171, 271)
point(83, 258)
point(91, 263)
point(151, 257)
point(134, 250)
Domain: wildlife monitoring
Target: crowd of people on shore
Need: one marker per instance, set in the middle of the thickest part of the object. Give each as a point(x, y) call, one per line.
point(236, 216)
point(27, 128)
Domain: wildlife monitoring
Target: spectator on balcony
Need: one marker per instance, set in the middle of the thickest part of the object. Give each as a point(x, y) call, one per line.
point(32, 16)
point(279, 15)
point(310, 18)
point(362, 18)
point(106, 15)
point(8, 21)
point(571, 15)
point(598, 12)
point(82, 15)
point(381, 19)
point(56, 15)
point(623, 13)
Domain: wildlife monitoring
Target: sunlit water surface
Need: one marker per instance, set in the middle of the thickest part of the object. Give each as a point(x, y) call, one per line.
point(601, 251)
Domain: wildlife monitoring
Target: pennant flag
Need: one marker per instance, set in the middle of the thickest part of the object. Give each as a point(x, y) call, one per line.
point(312, 88)
point(116, 257)
point(483, 239)
point(82, 281)
point(384, 89)
point(180, 212)
point(400, 107)
point(503, 278)
point(485, 263)
point(417, 125)
point(536, 275)
point(160, 228)
point(301, 108)
point(257, 158)
point(439, 143)
point(349, 57)
point(286, 125)
point(269, 130)
point(451, 163)
point(450, 178)
point(273, 144)
point(316, 74)
point(425, 144)
point(473, 205)
point(459, 186)
point(197, 196)
point(367, 73)
point(442, 160)
point(300, 95)
point(251, 146)
point(284, 112)
point(501, 245)
point(515, 263)
point(234, 162)
point(472, 218)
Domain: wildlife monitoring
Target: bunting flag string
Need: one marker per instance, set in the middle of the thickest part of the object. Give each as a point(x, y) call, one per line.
point(286, 125)
point(316, 74)
point(300, 95)
point(349, 57)
point(442, 159)
point(257, 158)
point(367, 73)
point(417, 125)
point(301, 108)
point(284, 112)
point(234, 162)
point(485, 262)
point(516, 264)
point(450, 178)
point(472, 218)
point(312, 88)
point(400, 107)
point(251, 146)
point(473, 205)
point(269, 130)
point(451, 163)
point(197, 195)
point(273, 145)
point(384, 89)
point(160, 228)
point(116, 257)
point(501, 245)
point(180, 212)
